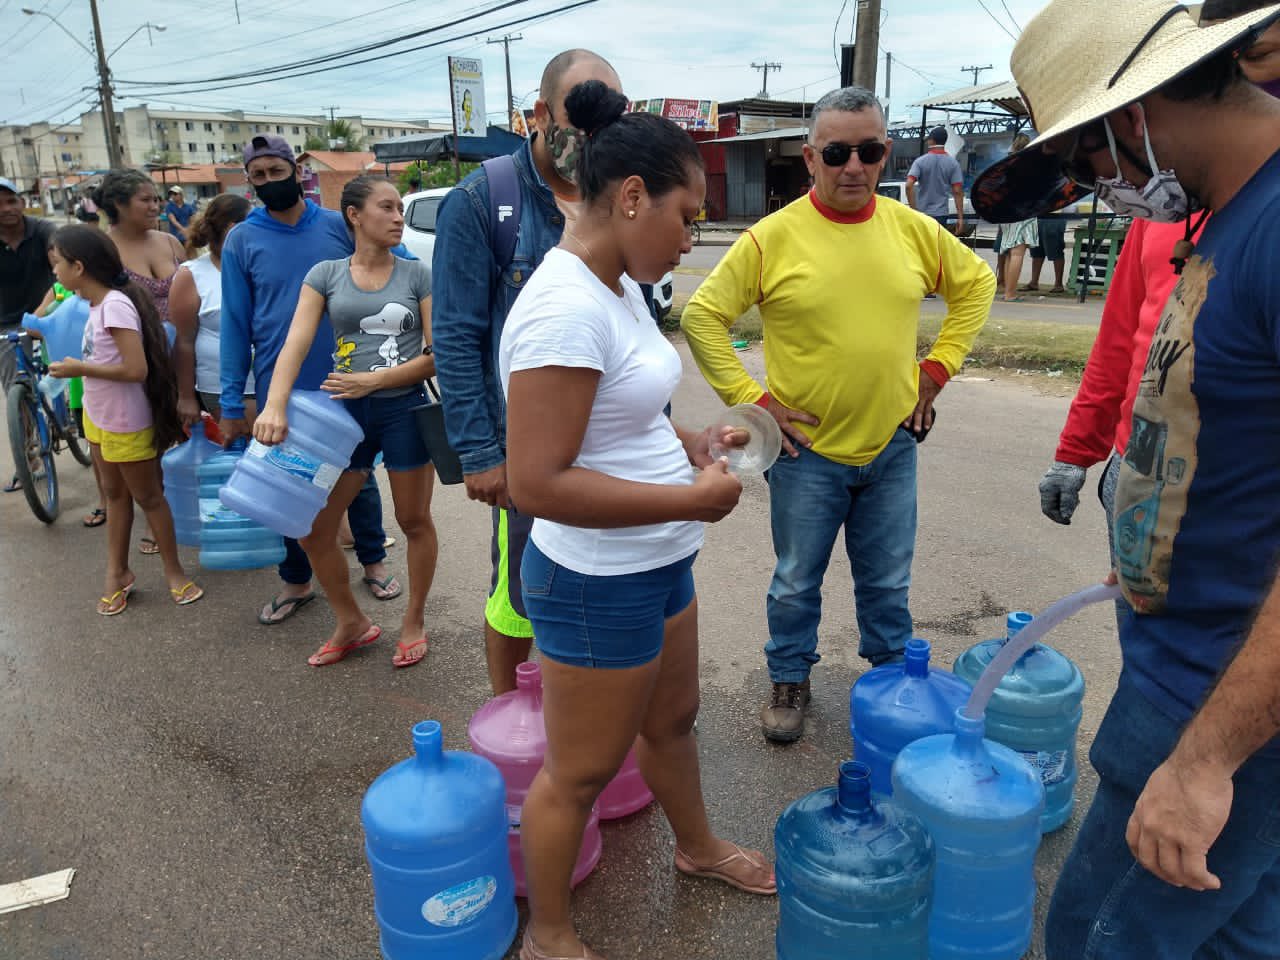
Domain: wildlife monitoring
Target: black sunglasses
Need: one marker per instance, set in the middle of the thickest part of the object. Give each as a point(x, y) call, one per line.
point(1093, 139)
point(838, 154)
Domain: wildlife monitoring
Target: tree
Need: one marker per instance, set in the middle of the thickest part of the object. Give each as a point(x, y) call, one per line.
point(339, 135)
point(430, 175)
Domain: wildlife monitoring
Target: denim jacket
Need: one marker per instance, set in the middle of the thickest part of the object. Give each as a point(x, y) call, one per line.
point(470, 300)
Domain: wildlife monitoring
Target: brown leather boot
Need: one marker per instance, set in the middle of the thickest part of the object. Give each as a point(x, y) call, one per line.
point(782, 719)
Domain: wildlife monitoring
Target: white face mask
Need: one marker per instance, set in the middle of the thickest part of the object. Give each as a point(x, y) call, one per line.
point(1162, 200)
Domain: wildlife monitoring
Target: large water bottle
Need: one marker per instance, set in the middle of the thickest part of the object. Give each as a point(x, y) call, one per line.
point(898, 703)
point(229, 541)
point(182, 484)
point(626, 793)
point(284, 486)
point(435, 835)
point(855, 877)
point(510, 731)
point(1036, 711)
point(981, 803)
point(62, 328)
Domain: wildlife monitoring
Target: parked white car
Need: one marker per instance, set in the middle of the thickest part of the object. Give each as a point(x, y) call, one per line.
point(420, 221)
point(897, 189)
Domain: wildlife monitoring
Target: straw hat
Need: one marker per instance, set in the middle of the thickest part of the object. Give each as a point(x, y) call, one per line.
point(1080, 60)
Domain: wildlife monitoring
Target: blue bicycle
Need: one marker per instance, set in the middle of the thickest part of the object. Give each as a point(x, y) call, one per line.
point(39, 428)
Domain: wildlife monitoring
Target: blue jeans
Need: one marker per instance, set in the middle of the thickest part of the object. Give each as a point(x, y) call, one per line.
point(810, 499)
point(1107, 907)
point(365, 516)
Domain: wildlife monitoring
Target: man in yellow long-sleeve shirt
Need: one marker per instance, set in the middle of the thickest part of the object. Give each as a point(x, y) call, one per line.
point(838, 276)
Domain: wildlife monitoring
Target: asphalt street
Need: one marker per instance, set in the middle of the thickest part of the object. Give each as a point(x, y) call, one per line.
point(205, 782)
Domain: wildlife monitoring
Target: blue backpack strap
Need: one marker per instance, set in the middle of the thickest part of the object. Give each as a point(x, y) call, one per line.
point(504, 208)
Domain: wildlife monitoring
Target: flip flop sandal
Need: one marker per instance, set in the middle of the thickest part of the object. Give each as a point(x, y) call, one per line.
point(290, 606)
point(95, 519)
point(13, 486)
point(122, 595)
point(366, 638)
point(188, 593)
point(148, 546)
point(722, 870)
point(403, 658)
point(531, 951)
point(390, 587)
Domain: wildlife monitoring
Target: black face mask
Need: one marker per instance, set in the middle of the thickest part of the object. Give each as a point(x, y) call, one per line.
point(279, 195)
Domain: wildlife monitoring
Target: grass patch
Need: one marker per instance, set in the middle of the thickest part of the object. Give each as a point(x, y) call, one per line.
point(1021, 344)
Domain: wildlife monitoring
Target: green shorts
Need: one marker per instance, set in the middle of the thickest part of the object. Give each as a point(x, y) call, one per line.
point(504, 610)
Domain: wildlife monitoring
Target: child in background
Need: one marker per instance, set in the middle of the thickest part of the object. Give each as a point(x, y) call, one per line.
point(130, 405)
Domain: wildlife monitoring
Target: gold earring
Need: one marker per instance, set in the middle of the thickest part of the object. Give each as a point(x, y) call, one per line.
point(631, 214)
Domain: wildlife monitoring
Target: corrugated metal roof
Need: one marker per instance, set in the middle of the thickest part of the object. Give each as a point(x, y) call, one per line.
point(1003, 94)
point(785, 133)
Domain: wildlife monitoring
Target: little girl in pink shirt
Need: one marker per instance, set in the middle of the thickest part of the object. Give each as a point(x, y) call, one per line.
point(130, 405)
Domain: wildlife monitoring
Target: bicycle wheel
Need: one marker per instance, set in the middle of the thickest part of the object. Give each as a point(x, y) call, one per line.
point(32, 447)
point(70, 429)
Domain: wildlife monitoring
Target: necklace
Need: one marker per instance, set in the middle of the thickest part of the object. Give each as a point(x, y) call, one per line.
point(581, 246)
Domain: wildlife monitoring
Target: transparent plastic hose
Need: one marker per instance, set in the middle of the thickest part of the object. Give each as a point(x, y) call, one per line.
point(1027, 637)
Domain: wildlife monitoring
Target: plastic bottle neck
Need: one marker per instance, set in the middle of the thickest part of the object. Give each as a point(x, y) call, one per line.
point(853, 792)
point(428, 743)
point(969, 733)
point(529, 682)
point(917, 658)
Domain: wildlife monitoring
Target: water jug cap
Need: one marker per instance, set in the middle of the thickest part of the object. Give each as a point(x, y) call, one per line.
point(529, 676)
point(1015, 621)
point(854, 790)
point(428, 742)
point(917, 657)
point(970, 728)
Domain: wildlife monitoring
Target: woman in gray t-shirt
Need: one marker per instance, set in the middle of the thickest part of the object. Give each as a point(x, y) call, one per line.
point(380, 309)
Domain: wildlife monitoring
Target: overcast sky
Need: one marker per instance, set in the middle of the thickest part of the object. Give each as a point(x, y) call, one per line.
point(661, 48)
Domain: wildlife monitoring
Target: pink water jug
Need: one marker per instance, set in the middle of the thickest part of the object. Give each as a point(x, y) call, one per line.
point(626, 793)
point(509, 731)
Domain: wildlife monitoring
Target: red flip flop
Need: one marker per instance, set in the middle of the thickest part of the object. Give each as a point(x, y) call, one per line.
point(366, 638)
point(404, 652)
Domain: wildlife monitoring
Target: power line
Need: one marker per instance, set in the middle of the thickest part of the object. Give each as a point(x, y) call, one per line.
point(1012, 19)
point(328, 58)
point(386, 56)
point(997, 21)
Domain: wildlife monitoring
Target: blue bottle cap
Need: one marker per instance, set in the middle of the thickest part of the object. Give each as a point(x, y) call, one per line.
point(1015, 621)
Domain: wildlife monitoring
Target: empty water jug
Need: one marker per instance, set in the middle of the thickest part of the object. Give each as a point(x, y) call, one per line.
point(981, 803)
point(62, 328)
point(229, 541)
point(855, 876)
point(435, 832)
point(509, 730)
point(898, 703)
point(182, 484)
point(1036, 711)
point(284, 486)
point(626, 793)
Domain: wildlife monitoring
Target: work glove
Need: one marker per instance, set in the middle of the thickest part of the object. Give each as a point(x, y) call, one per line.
point(1060, 491)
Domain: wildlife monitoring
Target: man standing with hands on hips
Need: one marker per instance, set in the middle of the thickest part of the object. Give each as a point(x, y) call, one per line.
point(838, 276)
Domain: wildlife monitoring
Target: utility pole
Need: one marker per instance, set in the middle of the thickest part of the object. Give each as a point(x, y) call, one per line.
point(114, 157)
point(766, 67)
point(866, 44)
point(888, 83)
point(975, 71)
point(328, 134)
point(506, 42)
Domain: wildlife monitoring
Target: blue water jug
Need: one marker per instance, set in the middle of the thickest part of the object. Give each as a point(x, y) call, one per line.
point(855, 877)
point(893, 705)
point(229, 541)
point(284, 486)
point(1036, 711)
point(62, 329)
point(435, 830)
point(981, 803)
point(182, 484)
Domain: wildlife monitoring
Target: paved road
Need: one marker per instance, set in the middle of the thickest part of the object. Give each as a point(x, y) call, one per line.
point(205, 782)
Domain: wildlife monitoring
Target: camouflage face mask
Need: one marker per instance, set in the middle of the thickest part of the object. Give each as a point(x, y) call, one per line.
point(564, 143)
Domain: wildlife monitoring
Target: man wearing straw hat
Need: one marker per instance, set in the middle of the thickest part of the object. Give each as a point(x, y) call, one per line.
point(1180, 853)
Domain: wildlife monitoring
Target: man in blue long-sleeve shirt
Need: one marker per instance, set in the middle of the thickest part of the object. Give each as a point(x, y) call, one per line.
point(263, 262)
point(471, 295)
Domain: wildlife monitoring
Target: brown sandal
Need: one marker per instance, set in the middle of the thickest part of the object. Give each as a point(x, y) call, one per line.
point(531, 951)
point(735, 870)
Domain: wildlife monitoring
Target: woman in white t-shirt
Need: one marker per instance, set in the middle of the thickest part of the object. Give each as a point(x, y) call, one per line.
point(195, 307)
point(619, 494)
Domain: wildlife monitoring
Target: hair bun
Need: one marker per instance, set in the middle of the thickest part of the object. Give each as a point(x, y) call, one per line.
point(592, 105)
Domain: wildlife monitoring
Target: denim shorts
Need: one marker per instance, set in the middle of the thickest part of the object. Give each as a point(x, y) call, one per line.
point(391, 428)
point(608, 622)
